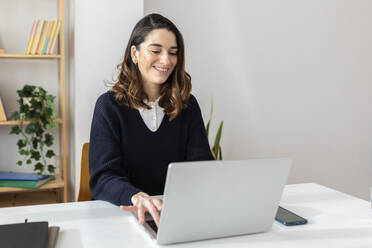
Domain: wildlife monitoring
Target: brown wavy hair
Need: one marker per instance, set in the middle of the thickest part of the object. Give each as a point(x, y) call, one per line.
point(128, 87)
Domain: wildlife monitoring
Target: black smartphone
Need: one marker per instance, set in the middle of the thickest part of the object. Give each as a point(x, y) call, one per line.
point(289, 218)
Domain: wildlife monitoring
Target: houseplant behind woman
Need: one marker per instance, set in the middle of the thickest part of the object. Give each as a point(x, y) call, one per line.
point(147, 120)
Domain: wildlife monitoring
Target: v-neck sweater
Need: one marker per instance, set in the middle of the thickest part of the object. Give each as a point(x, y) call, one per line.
point(125, 157)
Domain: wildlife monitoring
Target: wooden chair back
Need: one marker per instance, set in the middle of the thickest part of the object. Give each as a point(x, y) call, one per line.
point(84, 192)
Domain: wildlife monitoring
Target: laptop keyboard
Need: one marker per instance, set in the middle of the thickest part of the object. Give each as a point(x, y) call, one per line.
point(153, 226)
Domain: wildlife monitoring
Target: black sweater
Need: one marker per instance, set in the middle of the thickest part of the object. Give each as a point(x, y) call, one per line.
point(125, 157)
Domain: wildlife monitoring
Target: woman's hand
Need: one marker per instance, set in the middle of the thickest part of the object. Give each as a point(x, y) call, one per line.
point(143, 203)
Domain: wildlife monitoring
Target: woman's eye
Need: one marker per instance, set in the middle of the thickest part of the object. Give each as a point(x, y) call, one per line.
point(156, 52)
point(173, 54)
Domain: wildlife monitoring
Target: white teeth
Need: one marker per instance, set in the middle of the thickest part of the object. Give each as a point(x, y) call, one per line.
point(161, 69)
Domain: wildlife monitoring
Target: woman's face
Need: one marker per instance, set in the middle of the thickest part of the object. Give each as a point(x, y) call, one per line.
point(156, 57)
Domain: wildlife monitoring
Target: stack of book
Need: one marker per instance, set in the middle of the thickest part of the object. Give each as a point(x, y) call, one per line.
point(23, 180)
point(43, 37)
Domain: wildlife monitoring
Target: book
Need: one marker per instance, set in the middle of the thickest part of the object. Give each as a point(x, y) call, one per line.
point(2, 111)
point(47, 38)
point(55, 37)
point(37, 36)
point(30, 184)
point(37, 24)
point(42, 37)
point(20, 235)
point(51, 37)
point(53, 232)
point(30, 38)
point(21, 176)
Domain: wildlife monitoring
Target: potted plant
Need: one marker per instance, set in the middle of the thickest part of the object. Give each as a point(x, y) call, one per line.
point(36, 113)
point(216, 148)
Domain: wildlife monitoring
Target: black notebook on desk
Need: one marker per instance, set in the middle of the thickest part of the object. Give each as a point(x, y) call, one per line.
point(24, 235)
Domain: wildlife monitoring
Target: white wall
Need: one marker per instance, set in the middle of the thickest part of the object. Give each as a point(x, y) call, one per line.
point(289, 78)
point(101, 32)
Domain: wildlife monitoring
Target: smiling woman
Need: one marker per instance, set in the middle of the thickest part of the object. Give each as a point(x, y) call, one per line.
point(147, 120)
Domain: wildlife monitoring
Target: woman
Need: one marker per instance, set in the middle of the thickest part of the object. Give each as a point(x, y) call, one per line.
point(147, 120)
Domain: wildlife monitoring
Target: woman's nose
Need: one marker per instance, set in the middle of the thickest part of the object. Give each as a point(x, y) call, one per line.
point(164, 59)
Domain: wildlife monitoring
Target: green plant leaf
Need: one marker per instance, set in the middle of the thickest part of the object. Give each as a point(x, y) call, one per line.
point(28, 161)
point(14, 116)
point(35, 155)
point(214, 156)
point(27, 91)
point(39, 167)
point(16, 130)
point(50, 154)
point(50, 98)
point(48, 139)
point(35, 143)
point(30, 128)
point(42, 92)
point(39, 131)
point(219, 157)
point(217, 139)
point(207, 128)
point(210, 118)
point(49, 111)
point(19, 162)
point(51, 169)
point(21, 143)
point(36, 104)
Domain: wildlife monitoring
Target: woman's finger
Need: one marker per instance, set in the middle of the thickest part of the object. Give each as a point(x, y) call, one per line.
point(141, 215)
point(158, 203)
point(128, 208)
point(153, 211)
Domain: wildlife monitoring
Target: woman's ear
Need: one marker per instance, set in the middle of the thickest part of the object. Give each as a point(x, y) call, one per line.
point(133, 54)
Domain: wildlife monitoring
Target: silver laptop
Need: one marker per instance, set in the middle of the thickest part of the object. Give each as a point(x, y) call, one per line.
point(214, 199)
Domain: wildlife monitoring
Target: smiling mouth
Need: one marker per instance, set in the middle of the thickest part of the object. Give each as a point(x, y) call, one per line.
point(162, 70)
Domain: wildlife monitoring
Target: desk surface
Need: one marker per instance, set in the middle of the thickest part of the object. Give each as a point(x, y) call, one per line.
point(335, 220)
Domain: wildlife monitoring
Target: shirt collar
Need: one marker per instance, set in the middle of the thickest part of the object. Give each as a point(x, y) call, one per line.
point(155, 103)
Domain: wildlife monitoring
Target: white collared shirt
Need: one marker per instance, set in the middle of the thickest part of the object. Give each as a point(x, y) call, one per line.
point(154, 116)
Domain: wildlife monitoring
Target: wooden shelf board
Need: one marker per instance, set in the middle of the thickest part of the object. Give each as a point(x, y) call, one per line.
point(54, 184)
point(24, 56)
point(10, 123)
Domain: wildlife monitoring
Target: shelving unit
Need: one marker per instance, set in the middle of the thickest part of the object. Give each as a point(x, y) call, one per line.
point(7, 123)
point(24, 56)
point(59, 185)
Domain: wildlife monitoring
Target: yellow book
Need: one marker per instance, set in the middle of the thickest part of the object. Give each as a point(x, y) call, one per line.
point(31, 37)
point(2, 111)
point(44, 32)
point(37, 37)
point(51, 38)
point(55, 37)
point(47, 38)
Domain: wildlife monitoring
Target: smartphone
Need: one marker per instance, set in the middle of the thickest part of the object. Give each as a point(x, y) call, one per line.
point(289, 218)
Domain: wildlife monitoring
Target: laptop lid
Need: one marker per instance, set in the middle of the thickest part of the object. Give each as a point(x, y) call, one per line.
point(212, 199)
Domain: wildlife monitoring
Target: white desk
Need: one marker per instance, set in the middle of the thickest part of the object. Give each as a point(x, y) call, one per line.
point(335, 220)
